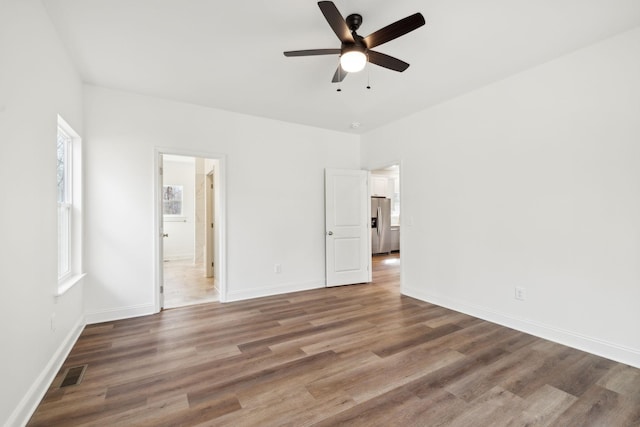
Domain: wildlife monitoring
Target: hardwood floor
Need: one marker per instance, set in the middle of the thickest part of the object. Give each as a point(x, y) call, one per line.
point(185, 284)
point(358, 355)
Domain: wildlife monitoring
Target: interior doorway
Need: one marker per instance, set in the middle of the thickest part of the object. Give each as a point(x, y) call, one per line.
point(188, 201)
point(384, 187)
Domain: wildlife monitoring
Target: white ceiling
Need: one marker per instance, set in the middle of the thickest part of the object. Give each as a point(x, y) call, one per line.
point(228, 55)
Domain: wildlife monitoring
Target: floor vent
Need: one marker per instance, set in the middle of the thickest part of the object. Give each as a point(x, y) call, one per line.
point(73, 376)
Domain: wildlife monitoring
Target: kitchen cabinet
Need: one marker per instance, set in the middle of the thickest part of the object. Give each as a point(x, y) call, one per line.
point(380, 186)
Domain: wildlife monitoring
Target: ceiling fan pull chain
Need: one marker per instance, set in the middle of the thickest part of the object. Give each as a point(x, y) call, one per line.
point(339, 77)
point(368, 77)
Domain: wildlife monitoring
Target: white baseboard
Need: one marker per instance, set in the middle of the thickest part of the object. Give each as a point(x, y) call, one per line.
point(618, 353)
point(119, 313)
point(274, 290)
point(38, 389)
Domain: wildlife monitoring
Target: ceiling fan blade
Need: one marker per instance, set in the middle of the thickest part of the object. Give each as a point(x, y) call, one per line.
point(387, 61)
point(339, 75)
point(395, 30)
point(336, 21)
point(311, 52)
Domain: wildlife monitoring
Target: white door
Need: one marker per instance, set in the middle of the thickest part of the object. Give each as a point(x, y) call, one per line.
point(347, 227)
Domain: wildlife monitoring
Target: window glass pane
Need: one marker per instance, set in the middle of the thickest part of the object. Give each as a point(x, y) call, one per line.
point(172, 199)
point(62, 169)
point(63, 178)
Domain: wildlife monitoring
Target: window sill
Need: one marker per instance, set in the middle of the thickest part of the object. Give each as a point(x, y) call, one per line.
point(175, 218)
point(69, 283)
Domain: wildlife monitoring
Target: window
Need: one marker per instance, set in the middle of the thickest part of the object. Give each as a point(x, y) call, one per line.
point(69, 186)
point(394, 183)
point(172, 200)
point(65, 202)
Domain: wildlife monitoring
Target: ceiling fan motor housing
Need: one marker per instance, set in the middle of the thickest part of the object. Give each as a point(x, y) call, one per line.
point(358, 46)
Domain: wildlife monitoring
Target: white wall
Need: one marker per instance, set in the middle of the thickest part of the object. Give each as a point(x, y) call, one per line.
point(275, 196)
point(180, 242)
point(37, 82)
point(535, 182)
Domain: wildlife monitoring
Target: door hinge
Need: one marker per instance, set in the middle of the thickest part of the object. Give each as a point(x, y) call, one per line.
point(160, 171)
point(212, 264)
point(212, 186)
point(211, 225)
point(161, 289)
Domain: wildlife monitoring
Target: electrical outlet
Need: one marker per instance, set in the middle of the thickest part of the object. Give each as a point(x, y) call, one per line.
point(520, 293)
point(277, 268)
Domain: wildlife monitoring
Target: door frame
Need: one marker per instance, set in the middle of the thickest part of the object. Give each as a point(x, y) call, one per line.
point(403, 222)
point(209, 238)
point(220, 215)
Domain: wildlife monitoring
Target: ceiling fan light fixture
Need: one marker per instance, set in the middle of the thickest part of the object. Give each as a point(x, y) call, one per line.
point(353, 61)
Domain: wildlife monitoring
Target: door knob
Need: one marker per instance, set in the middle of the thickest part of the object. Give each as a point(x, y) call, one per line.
point(330, 233)
point(165, 234)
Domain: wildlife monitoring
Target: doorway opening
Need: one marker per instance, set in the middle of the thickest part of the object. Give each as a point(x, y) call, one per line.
point(385, 215)
point(190, 223)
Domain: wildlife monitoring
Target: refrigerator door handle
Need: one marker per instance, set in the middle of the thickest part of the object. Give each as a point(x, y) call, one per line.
point(379, 216)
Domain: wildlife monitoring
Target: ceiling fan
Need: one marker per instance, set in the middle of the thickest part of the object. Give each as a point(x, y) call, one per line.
point(356, 51)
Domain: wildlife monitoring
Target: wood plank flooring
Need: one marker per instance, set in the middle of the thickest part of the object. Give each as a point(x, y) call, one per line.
point(186, 284)
point(358, 355)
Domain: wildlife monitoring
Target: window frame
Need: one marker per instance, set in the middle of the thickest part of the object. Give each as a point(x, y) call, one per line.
point(173, 217)
point(65, 206)
point(72, 206)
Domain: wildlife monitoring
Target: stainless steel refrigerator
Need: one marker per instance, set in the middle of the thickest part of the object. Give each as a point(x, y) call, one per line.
point(380, 225)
